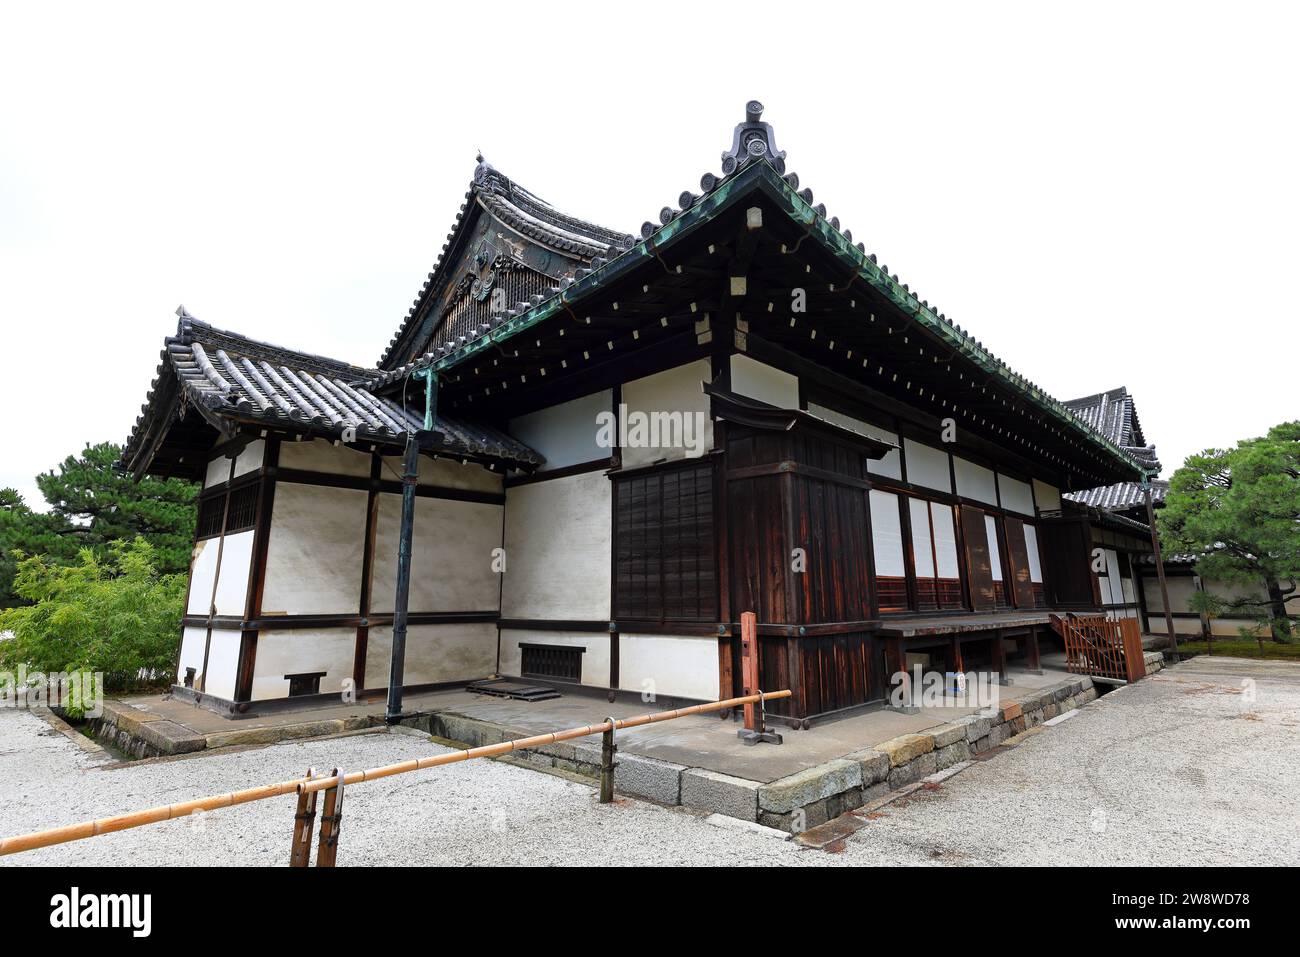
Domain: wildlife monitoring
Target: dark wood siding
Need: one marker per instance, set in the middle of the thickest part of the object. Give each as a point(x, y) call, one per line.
point(788, 491)
point(1066, 549)
point(664, 567)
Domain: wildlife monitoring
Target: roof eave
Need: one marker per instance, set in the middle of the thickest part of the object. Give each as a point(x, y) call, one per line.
point(761, 175)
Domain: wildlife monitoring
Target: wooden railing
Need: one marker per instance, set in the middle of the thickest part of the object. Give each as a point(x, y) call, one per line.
point(308, 786)
point(1106, 648)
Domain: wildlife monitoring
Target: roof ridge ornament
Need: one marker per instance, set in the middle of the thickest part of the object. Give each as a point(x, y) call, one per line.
point(752, 140)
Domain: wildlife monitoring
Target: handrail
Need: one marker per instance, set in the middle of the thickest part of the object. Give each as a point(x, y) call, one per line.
point(306, 785)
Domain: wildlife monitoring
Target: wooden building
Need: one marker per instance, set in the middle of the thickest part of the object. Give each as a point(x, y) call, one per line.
point(1120, 526)
point(799, 434)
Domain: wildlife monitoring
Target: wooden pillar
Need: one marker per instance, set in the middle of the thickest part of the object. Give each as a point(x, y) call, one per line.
point(999, 657)
point(367, 574)
point(257, 571)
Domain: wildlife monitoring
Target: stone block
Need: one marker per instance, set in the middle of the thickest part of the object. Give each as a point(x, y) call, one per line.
point(977, 726)
point(246, 736)
point(649, 778)
point(954, 753)
point(168, 737)
point(906, 748)
point(804, 787)
point(947, 734)
point(874, 765)
point(721, 793)
point(922, 766)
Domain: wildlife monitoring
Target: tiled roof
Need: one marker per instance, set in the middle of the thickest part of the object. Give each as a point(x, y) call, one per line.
point(1112, 413)
point(1121, 496)
point(226, 376)
point(754, 149)
point(524, 212)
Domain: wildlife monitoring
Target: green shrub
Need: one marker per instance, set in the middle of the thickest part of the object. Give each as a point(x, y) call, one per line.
point(113, 614)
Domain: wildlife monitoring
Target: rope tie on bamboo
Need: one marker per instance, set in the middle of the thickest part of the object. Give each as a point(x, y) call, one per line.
point(304, 815)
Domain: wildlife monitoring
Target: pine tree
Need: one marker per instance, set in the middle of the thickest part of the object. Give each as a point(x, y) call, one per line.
point(1238, 511)
point(24, 533)
point(91, 504)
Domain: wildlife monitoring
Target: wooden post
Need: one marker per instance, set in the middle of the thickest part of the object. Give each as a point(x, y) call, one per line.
point(1035, 656)
point(1000, 658)
point(1160, 567)
point(330, 818)
point(303, 823)
point(607, 764)
point(406, 531)
point(749, 664)
point(755, 730)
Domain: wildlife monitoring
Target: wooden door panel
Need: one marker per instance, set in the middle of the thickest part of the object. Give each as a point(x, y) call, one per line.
point(979, 568)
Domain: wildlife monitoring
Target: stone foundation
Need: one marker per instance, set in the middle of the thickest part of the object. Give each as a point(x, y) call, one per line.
point(808, 798)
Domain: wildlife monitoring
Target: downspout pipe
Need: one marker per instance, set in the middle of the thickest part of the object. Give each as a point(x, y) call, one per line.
point(416, 441)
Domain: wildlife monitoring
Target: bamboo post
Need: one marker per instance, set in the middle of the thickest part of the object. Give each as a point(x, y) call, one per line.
point(303, 823)
point(330, 819)
point(607, 763)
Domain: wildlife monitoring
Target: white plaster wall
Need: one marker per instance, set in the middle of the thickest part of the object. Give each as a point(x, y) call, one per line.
point(595, 660)
point(926, 466)
point(232, 579)
point(558, 549)
point(223, 662)
point(1046, 497)
point(669, 665)
point(250, 457)
point(313, 558)
point(218, 472)
point(1017, 496)
point(973, 481)
point(446, 473)
point(203, 572)
point(886, 534)
point(566, 433)
point(193, 641)
point(945, 540)
point(434, 653)
point(1181, 591)
point(318, 455)
point(451, 555)
point(763, 382)
point(1035, 559)
point(673, 390)
point(302, 651)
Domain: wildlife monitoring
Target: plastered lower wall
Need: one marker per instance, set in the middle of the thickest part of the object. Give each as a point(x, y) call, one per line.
point(223, 662)
point(682, 666)
point(303, 651)
point(434, 653)
point(595, 659)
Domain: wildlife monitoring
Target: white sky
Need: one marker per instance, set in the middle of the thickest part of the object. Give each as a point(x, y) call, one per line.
point(1105, 196)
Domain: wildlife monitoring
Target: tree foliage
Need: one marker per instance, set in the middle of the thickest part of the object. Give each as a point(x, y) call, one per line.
point(112, 613)
point(91, 504)
point(1238, 512)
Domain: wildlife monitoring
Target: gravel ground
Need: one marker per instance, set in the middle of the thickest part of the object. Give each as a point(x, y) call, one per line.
point(1181, 769)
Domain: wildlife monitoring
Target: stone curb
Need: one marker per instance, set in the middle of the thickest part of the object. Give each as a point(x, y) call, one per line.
point(863, 779)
